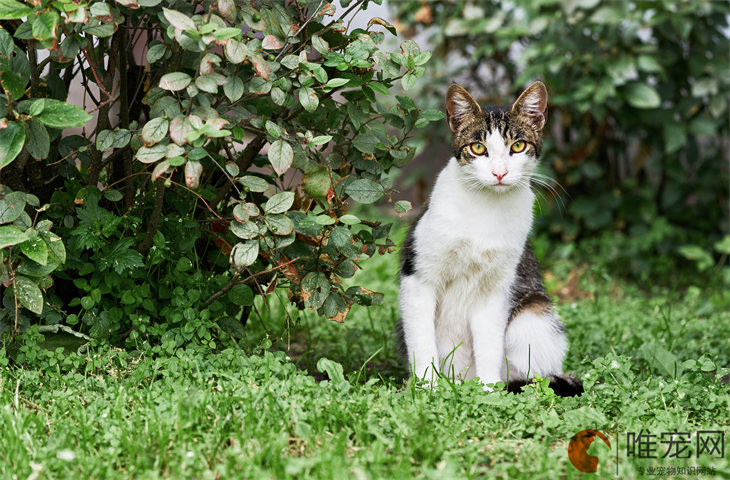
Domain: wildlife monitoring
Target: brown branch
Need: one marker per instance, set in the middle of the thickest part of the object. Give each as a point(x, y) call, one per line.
point(146, 244)
point(267, 275)
point(244, 162)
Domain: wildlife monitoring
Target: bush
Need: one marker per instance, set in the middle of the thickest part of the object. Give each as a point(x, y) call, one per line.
point(222, 168)
point(639, 93)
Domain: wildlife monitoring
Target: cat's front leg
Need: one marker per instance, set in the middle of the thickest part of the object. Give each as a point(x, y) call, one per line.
point(487, 323)
point(418, 324)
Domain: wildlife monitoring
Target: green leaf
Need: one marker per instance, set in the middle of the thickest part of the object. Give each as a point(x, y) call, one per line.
point(641, 95)
point(320, 44)
point(45, 25)
point(317, 183)
point(28, 293)
point(227, 32)
point(241, 295)
point(349, 219)
point(723, 246)
point(155, 130)
point(12, 10)
point(402, 206)
point(320, 140)
point(30, 268)
point(156, 52)
point(233, 89)
point(697, 254)
point(175, 81)
point(334, 373)
point(245, 253)
point(408, 81)
point(232, 326)
point(12, 139)
point(281, 156)
point(365, 191)
point(35, 249)
point(207, 84)
point(14, 84)
point(365, 142)
point(104, 140)
point(279, 224)
point(337, 82)
point(340, 236)
point(308, 98)
point(57, 114)
point(247, 230)
point(324, 219)
point(279, 203)
point(112, 194)
point(674, 137)
point(11, 206)
point(273, 129)
point(255, 184)
point(11, 235)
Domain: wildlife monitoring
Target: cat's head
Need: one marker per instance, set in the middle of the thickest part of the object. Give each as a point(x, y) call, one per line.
point(497, 148)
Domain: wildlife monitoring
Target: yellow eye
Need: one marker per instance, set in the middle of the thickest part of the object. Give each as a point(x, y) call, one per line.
point(478, 148)
point(518, 146)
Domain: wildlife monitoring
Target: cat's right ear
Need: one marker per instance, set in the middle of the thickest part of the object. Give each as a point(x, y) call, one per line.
point(460, 107)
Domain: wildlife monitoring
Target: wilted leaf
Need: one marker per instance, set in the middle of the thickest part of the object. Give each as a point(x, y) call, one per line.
point(315, 289)
point(270, 42)
point(261, 66)
point(193, 170)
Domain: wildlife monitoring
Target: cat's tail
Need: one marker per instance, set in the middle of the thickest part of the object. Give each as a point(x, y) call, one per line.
point(564, 385)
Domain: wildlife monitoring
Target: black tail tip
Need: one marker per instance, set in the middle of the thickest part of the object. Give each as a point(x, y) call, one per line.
point(564, 385)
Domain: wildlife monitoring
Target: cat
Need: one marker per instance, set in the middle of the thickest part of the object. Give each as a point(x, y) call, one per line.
point(472, 301)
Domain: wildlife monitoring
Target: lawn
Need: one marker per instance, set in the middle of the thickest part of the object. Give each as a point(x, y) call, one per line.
point(305, 398)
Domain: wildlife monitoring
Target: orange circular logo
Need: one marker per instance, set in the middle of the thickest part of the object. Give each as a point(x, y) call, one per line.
point(578, 450)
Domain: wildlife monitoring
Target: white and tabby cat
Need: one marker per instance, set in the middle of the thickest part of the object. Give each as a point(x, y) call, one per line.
point(472, 302)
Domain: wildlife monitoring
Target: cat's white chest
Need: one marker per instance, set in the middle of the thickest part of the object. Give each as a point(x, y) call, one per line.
point(471, 238)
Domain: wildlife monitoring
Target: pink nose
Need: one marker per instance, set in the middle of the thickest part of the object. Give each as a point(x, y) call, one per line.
point(500, 176)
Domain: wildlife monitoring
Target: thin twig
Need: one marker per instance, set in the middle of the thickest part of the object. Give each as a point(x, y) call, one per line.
point(300, 29)
point(251, 277)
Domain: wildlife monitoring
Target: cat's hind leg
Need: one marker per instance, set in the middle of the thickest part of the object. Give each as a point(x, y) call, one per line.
point(535, 343)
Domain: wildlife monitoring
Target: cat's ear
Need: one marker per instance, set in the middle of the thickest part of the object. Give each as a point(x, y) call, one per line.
point(532, 105)
point(460, 106)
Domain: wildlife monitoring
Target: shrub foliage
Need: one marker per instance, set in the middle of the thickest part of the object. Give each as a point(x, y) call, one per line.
point(639, 94)
point(220, 166)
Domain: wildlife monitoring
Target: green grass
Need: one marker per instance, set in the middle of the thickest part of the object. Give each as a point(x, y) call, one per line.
point(650, 358)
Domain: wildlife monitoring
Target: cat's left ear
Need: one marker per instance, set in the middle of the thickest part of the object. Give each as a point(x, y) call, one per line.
point(532, 105)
